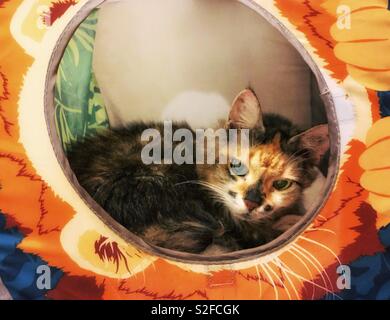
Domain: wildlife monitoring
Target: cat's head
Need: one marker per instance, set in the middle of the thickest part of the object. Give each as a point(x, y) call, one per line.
point(272, 171)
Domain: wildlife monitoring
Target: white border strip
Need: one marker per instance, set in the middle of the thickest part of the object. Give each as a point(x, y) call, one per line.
point(4, 293)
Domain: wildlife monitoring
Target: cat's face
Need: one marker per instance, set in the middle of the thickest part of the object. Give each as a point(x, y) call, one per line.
point(264, 178)
point(262, 184)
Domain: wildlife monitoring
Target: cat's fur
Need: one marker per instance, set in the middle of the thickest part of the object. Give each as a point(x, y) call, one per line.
point(149, 200)
point(197, 208)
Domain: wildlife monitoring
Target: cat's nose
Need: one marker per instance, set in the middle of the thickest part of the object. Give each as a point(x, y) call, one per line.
point(251, 204)
point(254, 196)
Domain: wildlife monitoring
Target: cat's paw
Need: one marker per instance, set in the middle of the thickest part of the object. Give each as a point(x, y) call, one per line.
point(215, 250)
point(286, 222)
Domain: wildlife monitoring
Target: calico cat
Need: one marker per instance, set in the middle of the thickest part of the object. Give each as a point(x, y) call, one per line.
point(267, 197)
point(202, 208)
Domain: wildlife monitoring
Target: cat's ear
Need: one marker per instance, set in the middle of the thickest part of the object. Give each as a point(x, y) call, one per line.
point(277, 139)
point(245, 112)
point(315, 139)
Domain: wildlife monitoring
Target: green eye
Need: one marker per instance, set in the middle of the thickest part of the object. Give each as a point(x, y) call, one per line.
point(282, 184)
point(237, 168)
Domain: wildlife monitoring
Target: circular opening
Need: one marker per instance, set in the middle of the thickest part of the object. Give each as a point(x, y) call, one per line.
point(195, 57)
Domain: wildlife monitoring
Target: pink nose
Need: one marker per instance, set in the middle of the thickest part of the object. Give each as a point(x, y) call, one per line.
point(251, 204)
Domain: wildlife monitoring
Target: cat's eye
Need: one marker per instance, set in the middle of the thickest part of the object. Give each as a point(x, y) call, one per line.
point(237, 168)
point(282, 184)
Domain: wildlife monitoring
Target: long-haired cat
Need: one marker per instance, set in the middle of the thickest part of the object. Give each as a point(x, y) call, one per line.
point(201, 208)
point(265, 193)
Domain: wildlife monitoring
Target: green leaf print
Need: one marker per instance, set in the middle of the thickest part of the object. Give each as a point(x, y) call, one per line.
point(79, 105)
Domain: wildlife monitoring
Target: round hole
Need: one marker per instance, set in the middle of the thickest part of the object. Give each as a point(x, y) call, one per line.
point(215, 69)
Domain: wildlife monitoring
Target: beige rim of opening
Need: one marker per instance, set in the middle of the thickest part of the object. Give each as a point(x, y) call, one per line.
point(227, 258)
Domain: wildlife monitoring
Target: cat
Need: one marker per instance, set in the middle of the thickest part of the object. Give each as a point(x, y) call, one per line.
point(205, 208)
point(267, 197)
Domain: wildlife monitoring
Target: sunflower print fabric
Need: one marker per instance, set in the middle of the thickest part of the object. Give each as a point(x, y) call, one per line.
point(44, 222)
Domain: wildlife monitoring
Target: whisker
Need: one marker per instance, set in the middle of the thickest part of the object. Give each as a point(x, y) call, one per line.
point(296, 161)
point(304, 251)
point(301, 156)
point(217, 189)
point(293, 156)
point(280, 280)
point(276, 292)
point(311, 282)
point(277, 262)
point(322, 246)
point(306, 267)
point(312, 262)
point(186, 182)
point(259, 281)
point(211, 186)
